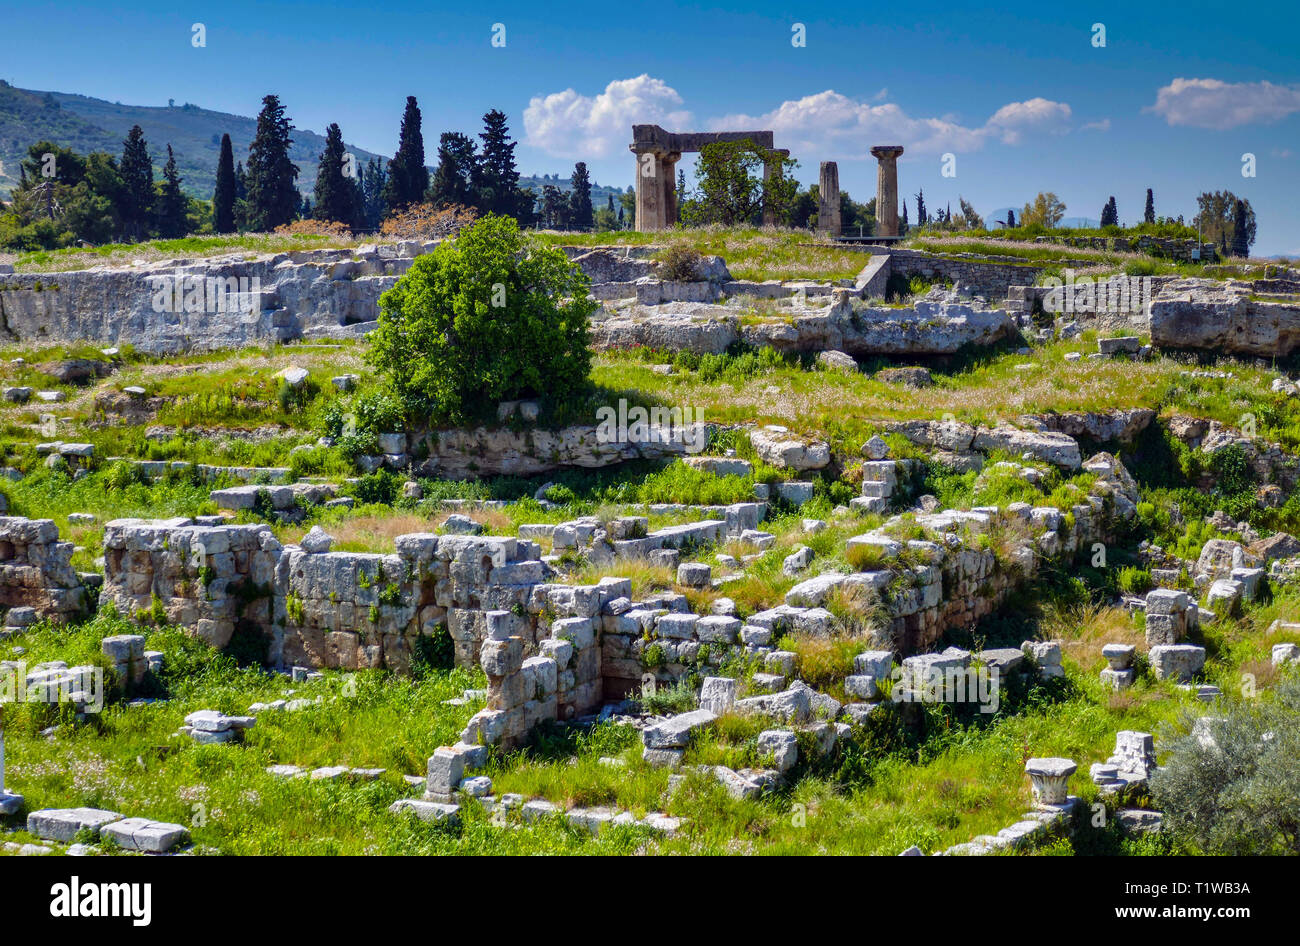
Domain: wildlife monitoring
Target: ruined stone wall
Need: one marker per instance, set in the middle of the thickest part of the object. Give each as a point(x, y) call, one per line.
point(316, 293)
point(319, 608)
point(36, 570)
point(1182, 250)
point(988, 277)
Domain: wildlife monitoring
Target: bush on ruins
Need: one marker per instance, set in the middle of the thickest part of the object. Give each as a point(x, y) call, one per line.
point(1229, 786)
point(490, 316)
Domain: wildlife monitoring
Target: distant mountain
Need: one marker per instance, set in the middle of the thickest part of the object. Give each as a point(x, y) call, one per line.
point(88, 124)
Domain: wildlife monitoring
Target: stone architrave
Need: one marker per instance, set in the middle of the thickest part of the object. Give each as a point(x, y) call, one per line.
point(887, 189)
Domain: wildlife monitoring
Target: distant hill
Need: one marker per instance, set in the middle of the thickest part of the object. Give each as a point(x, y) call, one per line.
point(599, 194)
point(89, 124)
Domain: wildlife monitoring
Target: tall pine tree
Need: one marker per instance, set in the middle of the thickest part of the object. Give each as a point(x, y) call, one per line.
point(225, 194)
point(273, 198)
point(171, 202)
point(581, 214)
point(334, 193)
point(137, 178)
point(497, 180)
point(408, 178)
point(1110, 214)
point(453, 179)
point(1149, 215)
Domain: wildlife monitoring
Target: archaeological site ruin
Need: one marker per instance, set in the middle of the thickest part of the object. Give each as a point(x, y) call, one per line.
point(818, 488)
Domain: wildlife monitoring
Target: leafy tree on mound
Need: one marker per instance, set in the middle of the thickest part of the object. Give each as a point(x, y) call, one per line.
point(492, 315)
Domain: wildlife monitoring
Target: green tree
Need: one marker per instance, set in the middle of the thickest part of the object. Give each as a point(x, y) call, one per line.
point(335, 194)
point(1110, 214)
point(1243, 229)
point(970, 219)
point(1046, 211)
point(581, 214)
point(273, 198)
point(496, 181)
point(373, 179)
point(408, 178)
point(732, 188)
point(224, 194)
point(1230, 784)
point(453, 179)
point(172, 203)
point(137, 178)
point(1149, 215)
point(490, 316)
point(1217, 219)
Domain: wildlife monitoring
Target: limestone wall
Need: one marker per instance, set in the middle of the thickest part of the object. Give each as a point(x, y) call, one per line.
point(36, 570)
point(276, 298)
point(320, 608)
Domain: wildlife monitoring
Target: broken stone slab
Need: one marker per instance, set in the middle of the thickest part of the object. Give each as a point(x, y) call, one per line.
point(431, 811)
point(63, 824)
point(675, 731)
point(718, 694)
point(317, 541)
point(1178, 662)
point(141, 834)
point(783, 745)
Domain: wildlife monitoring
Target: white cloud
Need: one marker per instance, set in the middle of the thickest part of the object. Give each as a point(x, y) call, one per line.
point(836, 126)
point(827, 124)
point(1212, 103)
point(1011, 122)
point(1103, 125)
point(567, 124)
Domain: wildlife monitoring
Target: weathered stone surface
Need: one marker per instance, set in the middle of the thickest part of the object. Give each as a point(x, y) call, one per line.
point(675, 731)
point(1212, 315)
point(63, 824)
point(141, 834)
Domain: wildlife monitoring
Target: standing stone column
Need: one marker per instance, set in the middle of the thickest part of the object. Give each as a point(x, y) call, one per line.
point(668, 174)
point(649, 190)
point(828, 201)
point(887, 189)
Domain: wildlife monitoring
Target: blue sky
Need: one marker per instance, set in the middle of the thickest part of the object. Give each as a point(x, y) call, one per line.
point(1017, 92)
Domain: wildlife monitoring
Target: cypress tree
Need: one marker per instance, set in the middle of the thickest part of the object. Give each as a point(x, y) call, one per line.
point(373, 181)
point(171, 203)
point(497, 184)
point(581, 215)
point(921, 217)
point(226, 191)
point(453, 180)
point(1242, 227)
point(1149, 215)
point(137, 176)
point(334, 192)
point(273, 198)
point(408, 178)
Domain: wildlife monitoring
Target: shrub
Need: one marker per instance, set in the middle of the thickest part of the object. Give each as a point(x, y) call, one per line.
point(425, 222)
point(489, 316)
point(1230, 787)
point(679, 263)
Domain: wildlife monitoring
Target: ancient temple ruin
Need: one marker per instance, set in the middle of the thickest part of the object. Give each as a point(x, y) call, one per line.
point(657, 153)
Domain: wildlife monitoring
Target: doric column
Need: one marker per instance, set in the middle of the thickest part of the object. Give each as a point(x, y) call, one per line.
point(887, 189)
point(649, 190)
point(668, 174)
point(828, 203)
